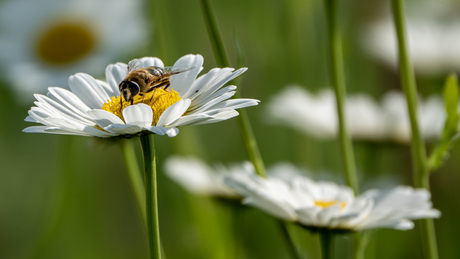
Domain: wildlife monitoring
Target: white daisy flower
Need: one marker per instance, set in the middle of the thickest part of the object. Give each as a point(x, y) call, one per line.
point(316, 115)
point(92, 107)
point(199, 178)
point(327, 205)
point(312, 114)
point(433, 33)
point(43, 42)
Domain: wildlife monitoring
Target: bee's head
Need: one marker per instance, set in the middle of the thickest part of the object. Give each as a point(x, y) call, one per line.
point(128, 89)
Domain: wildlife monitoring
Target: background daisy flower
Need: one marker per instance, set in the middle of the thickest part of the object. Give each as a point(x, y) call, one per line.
point(199, 178)
point(93, 107)
point(49, 40)
point(433, 34)
point(290, 196)
point(315, 114)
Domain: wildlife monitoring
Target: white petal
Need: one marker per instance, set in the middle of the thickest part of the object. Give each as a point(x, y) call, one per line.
point(278, 209)
point(104, 118)
point(30, 119)
point(70, 100)
point(60, 131)
point(51, 130)
point(152, 62)
point(95, 85)
point(183, 81)
point(123, 129)
point(219, 115)
point(39, 115)
point(174, 112)
point(327, 214)
point(211, 82)
point(190, 120)
point(206, 91)
point(59, 110)
point(115, 73)
point(356, 212)
point(192, 174)
point(200, 82)
point(236, 103)
point(400, 224)
point(157, 130)
point(88, 90)
point(308, 216)
point(108, 89)
point(72, 125)
point(214, 102)
point(171, 132)
point(35, 129)
point(139, 114)
point(222, 91)
point(62, 123)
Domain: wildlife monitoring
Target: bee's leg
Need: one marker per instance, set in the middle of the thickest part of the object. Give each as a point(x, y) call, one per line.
point(153, 94)
point(167, 86)
point(132, 100)
point(121, 104)
point(143, 96)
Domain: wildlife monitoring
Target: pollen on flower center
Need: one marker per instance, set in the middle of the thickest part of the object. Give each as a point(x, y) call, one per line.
point(64, 43)
point(160, 101)
point(325, 204)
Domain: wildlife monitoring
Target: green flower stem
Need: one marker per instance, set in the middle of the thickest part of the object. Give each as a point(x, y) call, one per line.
point(338, 81)
point(419, 164)
point(327, 244)
point(135, 177)
point(214, 34)
point(150, 177)
point(360, 244)
point(250, 143)
point(410, 89)
point(292, 251)
point(244, 124)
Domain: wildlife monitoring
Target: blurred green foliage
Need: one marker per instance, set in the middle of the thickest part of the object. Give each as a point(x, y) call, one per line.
point(68, 197)
point(449, 134)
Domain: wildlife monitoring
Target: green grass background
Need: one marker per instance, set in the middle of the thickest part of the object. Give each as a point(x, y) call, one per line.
point(69, 197)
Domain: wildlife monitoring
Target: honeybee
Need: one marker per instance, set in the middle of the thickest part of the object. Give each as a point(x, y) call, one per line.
point(141, 80)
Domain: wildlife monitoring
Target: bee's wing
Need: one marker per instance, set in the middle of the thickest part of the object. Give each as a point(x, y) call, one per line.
point(178, 69)
point(135, 64)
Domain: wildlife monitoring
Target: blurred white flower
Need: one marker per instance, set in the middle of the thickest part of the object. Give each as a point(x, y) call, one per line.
point(305, 112)
point(93, 108)
point(199, 178)
point(43, 42)
point(296, 198)
point(316, 115)
point(433, 35)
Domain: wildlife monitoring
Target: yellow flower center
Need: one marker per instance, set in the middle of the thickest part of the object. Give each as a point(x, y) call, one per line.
point(65, 43)
point(325, 204)
point(161, 101)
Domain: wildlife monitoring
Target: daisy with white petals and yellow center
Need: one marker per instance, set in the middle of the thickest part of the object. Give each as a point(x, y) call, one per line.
point(92, 107)
point(325, 205)
point(199, 178)
point(43, 42)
